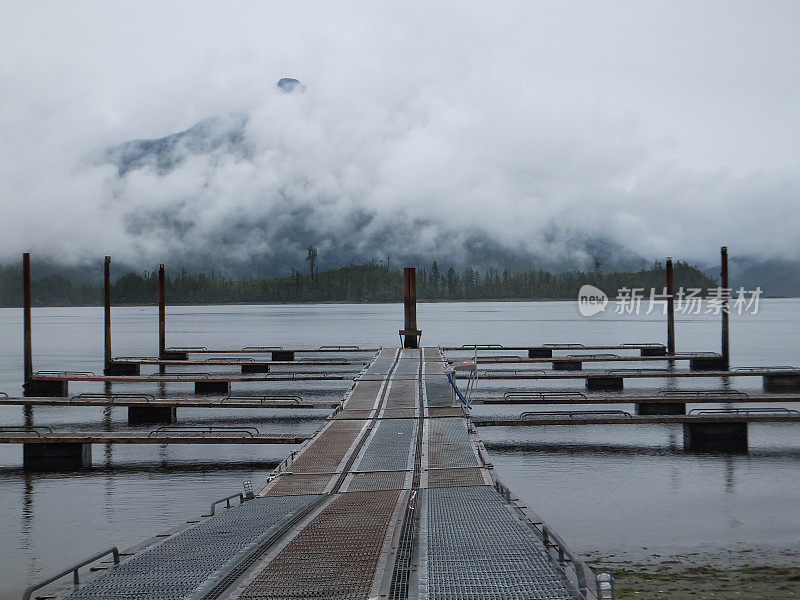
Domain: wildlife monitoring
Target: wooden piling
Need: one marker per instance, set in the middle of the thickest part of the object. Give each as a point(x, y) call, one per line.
point(670, 308)
point(107, 311)
point(724, 284)
point(26, 315)
point(162, 313)
point(410, 332)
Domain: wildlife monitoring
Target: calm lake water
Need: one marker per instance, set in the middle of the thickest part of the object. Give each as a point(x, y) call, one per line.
point(613, 489)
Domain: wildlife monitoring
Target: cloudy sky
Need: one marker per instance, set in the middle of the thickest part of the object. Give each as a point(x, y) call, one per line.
point(671, 127)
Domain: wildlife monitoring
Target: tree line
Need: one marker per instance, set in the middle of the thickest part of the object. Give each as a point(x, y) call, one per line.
point(355, 283)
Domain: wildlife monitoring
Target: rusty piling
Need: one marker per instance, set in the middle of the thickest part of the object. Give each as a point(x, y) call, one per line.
point(724, 284)
point(107, 311)
point(26, 315)
point(410, 333)
point(162, 313)
point(670, 308)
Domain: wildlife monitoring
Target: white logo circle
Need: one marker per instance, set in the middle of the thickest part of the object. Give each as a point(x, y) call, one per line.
point(591, 300)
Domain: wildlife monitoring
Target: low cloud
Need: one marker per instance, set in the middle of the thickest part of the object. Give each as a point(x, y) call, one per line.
point(419, 133)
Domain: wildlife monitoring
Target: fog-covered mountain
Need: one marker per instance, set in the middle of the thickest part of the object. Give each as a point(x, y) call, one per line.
point(246, 240)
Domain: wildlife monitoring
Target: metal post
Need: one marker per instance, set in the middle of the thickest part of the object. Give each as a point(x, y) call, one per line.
point(26, 315)
point(725, 307)
point(670, 308)
point(107, 310)
point(410, 305)
point(162, 313)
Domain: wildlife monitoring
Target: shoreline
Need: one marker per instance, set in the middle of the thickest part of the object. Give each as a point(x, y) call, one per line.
point(719, 574)
point(331, 302)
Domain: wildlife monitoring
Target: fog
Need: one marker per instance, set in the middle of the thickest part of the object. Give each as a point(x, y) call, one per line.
point(450, 131)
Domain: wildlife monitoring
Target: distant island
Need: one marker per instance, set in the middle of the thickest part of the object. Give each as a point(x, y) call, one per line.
point(369, 283)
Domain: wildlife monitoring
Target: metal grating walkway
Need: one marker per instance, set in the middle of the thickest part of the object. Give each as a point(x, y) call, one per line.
point(334, 556)
point(180, 565)
point(476, 548)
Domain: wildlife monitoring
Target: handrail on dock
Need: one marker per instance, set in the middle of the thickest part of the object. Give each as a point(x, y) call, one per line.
point(745, 411)
point(543, 395)
point(264, 398)
point(26, 595)
point(227, 501)
point(181, 375)
point(187, 349)
point(552, 541)
point(779, 369)
point(167, 429)
point(575, 413)
point(702, 393)
point(563, 346)
point(345, 347)
point(22, 429)
point(64, 374)
point(147, 398)
point(261, 348)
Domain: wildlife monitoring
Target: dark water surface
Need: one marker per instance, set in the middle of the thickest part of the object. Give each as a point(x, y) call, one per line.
point(613, 489)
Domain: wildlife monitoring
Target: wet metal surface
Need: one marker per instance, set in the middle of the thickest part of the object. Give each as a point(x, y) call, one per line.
point(335, 556)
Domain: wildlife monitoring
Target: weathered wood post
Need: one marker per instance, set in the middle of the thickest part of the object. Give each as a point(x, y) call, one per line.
point(107, 312)
point(26, 316)
point(410, 333)
point(725, 306)
point(162, 313)
point(670, 308)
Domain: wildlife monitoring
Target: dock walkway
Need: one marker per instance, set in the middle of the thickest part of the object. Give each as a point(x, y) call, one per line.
point(392, 498)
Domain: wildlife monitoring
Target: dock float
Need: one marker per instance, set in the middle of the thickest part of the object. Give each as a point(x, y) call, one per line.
point(392, 498)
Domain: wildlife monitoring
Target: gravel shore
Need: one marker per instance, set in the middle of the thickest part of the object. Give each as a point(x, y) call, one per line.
point(754, 574)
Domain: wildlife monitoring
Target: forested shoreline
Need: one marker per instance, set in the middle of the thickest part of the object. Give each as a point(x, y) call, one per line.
point(355, 283)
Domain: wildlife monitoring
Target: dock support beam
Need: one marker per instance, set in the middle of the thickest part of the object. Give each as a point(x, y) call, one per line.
point(604, 384)
point(36, 388)
point(540, 352)
point(670, 308)
point(721, 437)
point(653, 351)
point(255, 367)
point(163, 354)
point(212, 387)
point(141, 415)
point(726, 350)
point(567, 365)
point(56, 457)
point(283, 355)
point(410, 333)
point(661, 408)
point(781, 383)
point(708, 363)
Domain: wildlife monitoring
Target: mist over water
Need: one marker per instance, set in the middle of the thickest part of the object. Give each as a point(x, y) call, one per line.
point(612, 490)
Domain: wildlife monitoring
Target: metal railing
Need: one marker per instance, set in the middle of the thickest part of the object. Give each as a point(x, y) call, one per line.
point(261, 348)
point(544, 395)
point(744, 411)
point(146, 398)
point(70, 374)
point(26, 595)
point(573, 414)
point(263, 399)
point(22, 429)
point(702, 394)
point(557, 550)
point(227, 501)
point(203, 430)
point(344, 347)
